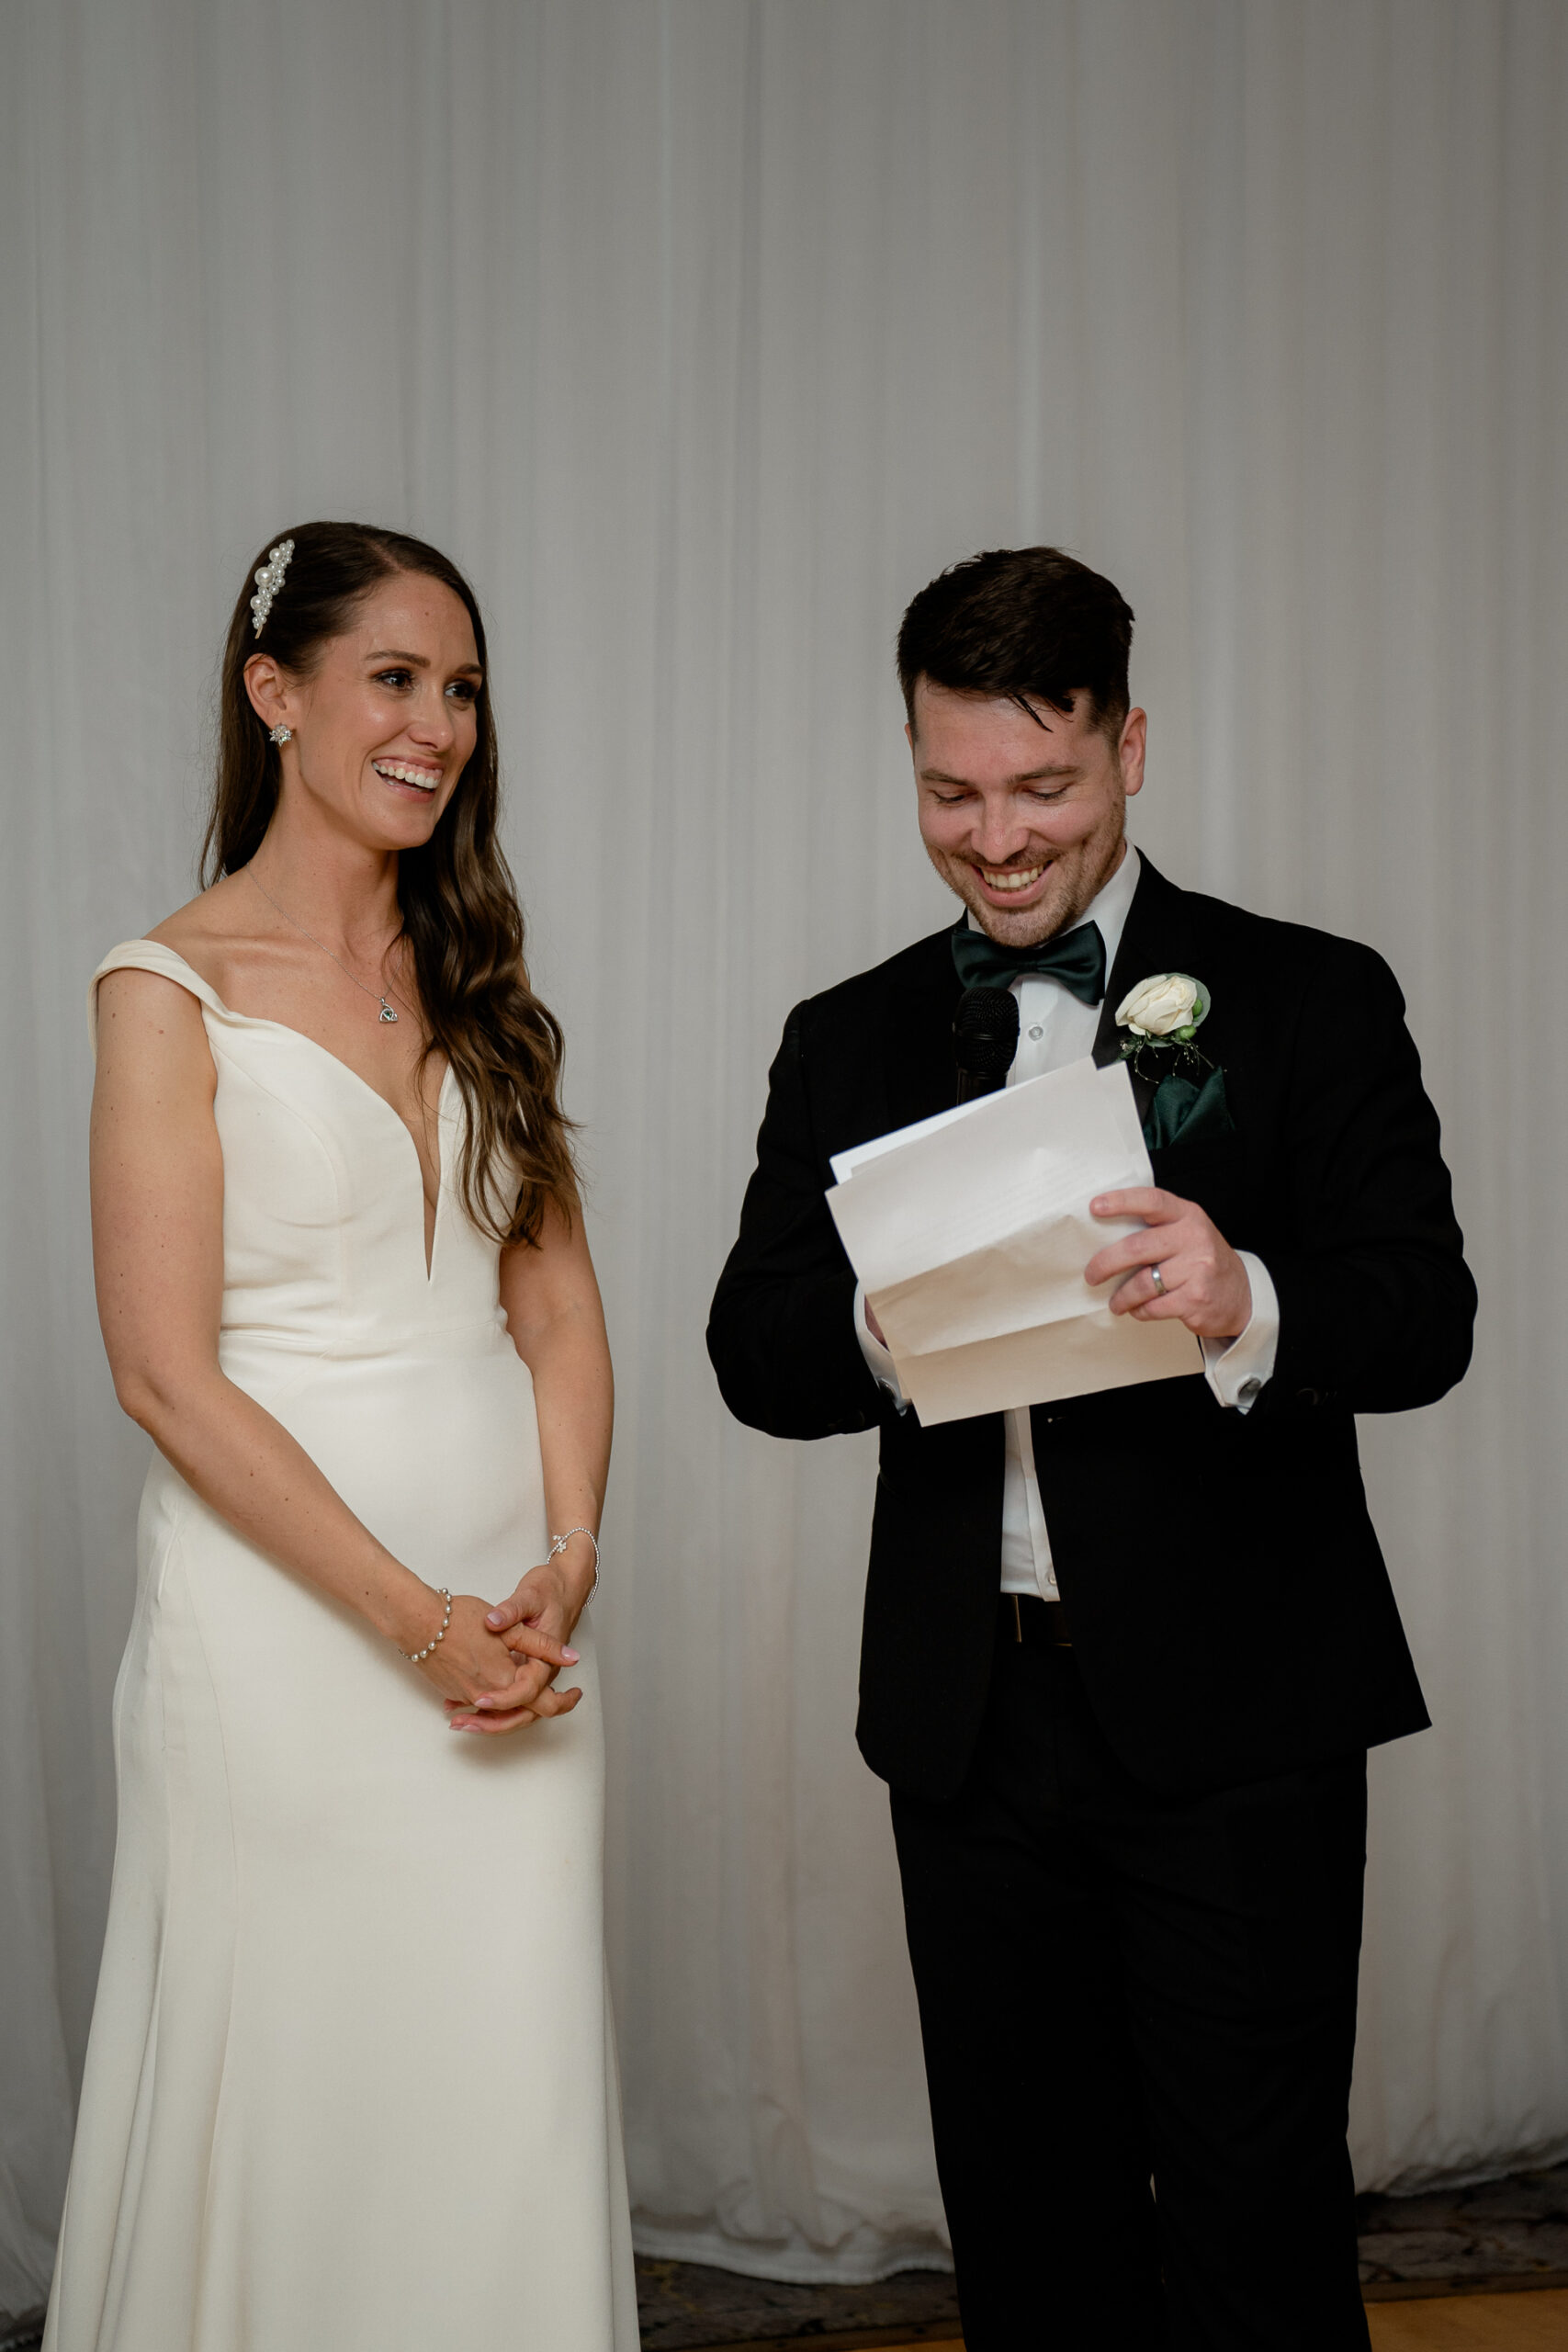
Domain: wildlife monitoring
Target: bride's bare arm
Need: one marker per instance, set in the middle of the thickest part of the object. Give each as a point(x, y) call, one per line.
point(157, 1183)
point(557, 1321)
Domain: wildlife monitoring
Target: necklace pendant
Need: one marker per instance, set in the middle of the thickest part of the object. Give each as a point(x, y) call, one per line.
point(386, 1012)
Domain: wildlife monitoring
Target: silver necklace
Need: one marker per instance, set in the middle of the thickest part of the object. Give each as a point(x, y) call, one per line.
point(386, 1011)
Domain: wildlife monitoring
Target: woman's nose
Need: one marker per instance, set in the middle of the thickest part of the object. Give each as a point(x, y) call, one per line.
point(433, 723)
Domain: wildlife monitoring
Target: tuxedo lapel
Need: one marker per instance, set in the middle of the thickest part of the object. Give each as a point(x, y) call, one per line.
point(922, 1076)
point(1154, 938)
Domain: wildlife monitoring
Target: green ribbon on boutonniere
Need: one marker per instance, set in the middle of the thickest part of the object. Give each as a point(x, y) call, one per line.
point(1162, 1016)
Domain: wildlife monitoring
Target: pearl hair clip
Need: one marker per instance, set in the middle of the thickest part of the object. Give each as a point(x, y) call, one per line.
point(269, 580)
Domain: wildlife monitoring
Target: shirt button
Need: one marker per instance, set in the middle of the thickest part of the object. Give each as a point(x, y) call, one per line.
point(1249, 1389)
point(1037, 1033)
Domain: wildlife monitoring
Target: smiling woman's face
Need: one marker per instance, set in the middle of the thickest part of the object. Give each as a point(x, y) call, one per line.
point(387, 721)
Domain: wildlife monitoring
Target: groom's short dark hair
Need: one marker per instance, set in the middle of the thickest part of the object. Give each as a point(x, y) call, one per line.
point(1029, 622)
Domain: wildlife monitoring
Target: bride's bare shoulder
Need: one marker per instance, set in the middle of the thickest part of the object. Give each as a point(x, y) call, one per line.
point(145, 1018)
point(211, 930)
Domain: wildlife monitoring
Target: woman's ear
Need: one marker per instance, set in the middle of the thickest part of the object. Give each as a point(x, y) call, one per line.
point(268, 690)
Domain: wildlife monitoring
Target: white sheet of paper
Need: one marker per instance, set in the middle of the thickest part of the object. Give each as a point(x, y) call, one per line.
point(970, 1231)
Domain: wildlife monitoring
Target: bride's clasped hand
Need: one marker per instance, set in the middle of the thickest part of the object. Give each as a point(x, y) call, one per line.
point(529, 1630)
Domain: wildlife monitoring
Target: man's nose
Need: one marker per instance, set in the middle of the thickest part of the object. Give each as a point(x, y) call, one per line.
point(1000, 836)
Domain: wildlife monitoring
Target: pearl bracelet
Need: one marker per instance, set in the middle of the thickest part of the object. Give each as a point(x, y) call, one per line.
point(415, 1656)
point(559, 1543)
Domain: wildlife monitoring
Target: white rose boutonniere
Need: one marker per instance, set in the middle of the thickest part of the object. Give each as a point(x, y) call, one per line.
point(1163, 1014)
point(1164, 1010)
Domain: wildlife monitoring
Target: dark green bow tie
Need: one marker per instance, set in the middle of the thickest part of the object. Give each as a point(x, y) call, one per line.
point(1076, 959)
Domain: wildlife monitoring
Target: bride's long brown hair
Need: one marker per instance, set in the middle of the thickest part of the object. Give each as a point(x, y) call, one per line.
point(459, 906)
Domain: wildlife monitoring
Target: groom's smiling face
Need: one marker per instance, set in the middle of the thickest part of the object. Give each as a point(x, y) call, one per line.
point(1022, 812)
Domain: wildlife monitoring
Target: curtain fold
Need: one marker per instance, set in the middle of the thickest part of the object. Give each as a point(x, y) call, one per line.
point(703, 332)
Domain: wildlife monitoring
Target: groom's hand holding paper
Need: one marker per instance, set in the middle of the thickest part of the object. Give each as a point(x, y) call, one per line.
point(972, 1232)
point(1203, 1282)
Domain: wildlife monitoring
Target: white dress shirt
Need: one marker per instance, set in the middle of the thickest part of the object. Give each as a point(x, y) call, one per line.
point(1055, 1028)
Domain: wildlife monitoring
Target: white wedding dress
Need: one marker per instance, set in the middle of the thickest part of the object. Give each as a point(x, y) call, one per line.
point(351, 2085)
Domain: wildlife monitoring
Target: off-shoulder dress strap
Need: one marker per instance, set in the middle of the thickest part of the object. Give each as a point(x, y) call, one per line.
point(149, 955)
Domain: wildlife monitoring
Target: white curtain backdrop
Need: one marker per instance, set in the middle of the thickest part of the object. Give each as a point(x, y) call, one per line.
point(703, 332)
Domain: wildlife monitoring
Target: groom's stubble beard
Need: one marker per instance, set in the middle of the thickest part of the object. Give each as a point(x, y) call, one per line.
point(1075, 877)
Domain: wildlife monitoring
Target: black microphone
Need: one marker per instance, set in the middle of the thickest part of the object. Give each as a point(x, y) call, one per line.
point(984, 1039)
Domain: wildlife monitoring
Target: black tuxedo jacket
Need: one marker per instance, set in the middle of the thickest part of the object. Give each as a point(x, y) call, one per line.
point(1232, 1614)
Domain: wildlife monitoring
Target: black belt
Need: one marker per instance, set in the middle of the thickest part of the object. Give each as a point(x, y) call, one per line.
point(1038, 1624)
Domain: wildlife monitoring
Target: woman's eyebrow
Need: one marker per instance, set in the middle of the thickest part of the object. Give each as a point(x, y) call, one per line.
point(418, 661)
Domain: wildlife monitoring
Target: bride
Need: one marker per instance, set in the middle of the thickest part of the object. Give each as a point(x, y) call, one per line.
point(351, 2082)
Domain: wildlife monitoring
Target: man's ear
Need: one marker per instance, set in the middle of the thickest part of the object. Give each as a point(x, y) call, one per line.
point(1130, 750)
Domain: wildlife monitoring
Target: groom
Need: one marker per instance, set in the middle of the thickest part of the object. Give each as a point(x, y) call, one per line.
point(1123, 1655)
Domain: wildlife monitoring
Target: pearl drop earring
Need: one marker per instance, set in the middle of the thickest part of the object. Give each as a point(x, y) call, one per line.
point(281, 734)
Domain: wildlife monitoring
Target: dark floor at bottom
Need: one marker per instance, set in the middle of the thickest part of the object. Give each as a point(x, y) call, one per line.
point(1513, 2232)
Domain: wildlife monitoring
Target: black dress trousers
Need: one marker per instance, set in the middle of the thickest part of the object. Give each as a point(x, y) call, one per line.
point(1116, 1988)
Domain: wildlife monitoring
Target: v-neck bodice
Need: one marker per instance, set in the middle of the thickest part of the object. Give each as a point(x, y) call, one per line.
point(323, 1197)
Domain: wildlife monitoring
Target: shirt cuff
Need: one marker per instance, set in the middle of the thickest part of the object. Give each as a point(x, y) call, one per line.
point(882, 1365)
point(1237, 1369)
